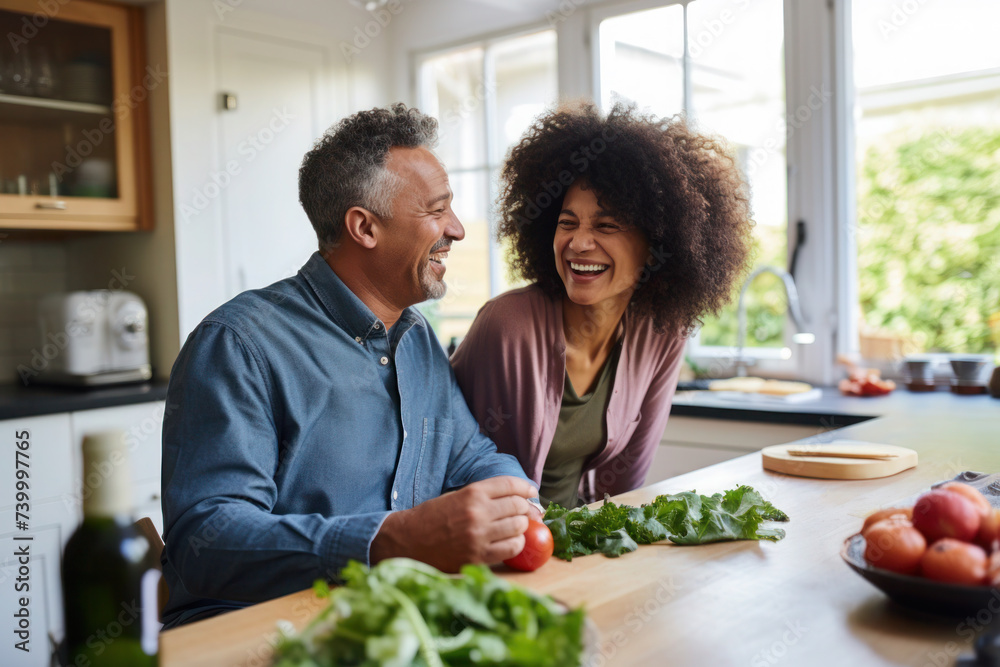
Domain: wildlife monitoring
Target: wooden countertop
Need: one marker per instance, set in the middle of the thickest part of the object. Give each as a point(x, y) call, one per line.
point(793, 602)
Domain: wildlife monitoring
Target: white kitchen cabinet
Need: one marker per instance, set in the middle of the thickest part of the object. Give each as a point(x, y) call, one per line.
point(690, 443)
point(52, 517)
point(142, 424)
point(673, 460)
point(50, 453)
point(55, 492)
point(51, 524)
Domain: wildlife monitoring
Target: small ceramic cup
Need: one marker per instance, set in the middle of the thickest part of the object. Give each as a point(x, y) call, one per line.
point(921, 375)
point(968, 372)
point(920, 370)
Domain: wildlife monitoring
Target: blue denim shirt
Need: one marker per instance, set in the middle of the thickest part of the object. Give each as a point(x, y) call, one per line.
point(296, 424)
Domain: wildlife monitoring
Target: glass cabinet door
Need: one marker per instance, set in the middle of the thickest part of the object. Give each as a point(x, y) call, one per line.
point(67, 117)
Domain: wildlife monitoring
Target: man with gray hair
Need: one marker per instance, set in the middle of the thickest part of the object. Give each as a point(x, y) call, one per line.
point(318, 419)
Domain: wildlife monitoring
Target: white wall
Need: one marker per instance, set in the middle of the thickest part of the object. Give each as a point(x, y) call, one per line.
point(191, 27)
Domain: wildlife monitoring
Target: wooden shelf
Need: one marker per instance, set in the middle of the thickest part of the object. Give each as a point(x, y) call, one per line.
point(41, 136)
point(58, 105)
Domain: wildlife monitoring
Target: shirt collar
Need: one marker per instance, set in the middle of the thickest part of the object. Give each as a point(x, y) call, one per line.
point(343, 305)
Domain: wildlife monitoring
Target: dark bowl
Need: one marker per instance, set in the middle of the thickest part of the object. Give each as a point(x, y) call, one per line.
point(923, 594)
point(918, 593)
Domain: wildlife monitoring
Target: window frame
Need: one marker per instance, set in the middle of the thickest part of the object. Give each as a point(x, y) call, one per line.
point(817, 40)
point(811, 178)
point(494, 158)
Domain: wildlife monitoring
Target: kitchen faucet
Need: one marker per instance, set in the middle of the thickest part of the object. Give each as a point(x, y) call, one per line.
point(794, 311)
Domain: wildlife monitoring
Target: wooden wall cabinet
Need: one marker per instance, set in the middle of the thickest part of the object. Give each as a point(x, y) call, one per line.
point(74, 133)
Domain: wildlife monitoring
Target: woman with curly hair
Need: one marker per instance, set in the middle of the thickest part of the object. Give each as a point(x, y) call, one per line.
point(630, 229)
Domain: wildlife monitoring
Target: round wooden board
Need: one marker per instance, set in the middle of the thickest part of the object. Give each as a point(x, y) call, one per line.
point(777, 459)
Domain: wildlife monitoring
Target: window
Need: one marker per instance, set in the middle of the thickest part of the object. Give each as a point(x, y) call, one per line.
point(873, 122)
point(485, 96)
point(644, 47)
point(927, 176)
point(730, 80)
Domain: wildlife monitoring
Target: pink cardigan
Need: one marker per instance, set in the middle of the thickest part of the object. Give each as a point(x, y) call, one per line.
point(512, 369)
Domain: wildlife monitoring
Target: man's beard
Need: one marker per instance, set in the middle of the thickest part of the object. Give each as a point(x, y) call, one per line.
point(433, 287)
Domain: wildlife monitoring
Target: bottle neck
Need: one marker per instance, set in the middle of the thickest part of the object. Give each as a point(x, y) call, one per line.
point(107, 488)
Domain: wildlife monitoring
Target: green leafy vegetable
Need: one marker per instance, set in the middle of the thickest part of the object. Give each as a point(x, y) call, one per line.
point(402, 612)
point(683, 518)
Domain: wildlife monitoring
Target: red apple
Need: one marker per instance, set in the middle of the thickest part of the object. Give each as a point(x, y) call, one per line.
point(940, 513)
point(977, 498)
point(894, 544)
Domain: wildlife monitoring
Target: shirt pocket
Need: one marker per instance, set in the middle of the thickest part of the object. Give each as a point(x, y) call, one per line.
point(436, 436)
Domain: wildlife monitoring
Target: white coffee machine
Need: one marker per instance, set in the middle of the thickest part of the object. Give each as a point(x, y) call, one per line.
point(92, 338)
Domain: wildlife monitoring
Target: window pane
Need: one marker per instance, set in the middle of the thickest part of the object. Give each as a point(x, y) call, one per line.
point(738, 91)
point(927, 133)
point(484, 98)
point(526, 86)
point(642, 58)
point(453, 90)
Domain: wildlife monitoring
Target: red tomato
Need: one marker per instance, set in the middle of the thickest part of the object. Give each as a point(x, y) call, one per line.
point(894, 544)
point(537, 550)
point(989, 534)
point(954, 562)
point(876, 387)
point(892, 512)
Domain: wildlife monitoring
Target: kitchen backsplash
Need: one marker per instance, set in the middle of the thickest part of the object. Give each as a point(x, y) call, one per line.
point(28, 271)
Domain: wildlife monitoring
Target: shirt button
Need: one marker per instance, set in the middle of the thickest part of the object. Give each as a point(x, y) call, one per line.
point(377, 326)
point(384, 360)
point(357, 339)
point(395, 494)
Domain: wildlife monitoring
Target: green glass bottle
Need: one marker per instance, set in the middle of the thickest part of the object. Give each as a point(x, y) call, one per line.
point(109, 577)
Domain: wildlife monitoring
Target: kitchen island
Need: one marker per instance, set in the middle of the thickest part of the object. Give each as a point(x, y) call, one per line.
point(793, 602)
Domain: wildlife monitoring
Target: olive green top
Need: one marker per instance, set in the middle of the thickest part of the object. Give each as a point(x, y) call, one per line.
point(580, 433)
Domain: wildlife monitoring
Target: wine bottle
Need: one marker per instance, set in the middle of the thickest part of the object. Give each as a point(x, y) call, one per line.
point(109, 577)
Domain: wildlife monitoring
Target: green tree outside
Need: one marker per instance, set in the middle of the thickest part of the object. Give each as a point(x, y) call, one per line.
point(928, 238)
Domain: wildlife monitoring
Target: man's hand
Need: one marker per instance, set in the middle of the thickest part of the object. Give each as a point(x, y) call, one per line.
point(483, 522)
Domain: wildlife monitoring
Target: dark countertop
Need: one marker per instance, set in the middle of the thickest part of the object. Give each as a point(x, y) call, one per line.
point(18, 401)
point(834, 410)
point(830, 411)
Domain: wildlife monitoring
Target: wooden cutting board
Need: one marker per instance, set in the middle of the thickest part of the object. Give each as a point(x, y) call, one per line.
point(892, 460)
